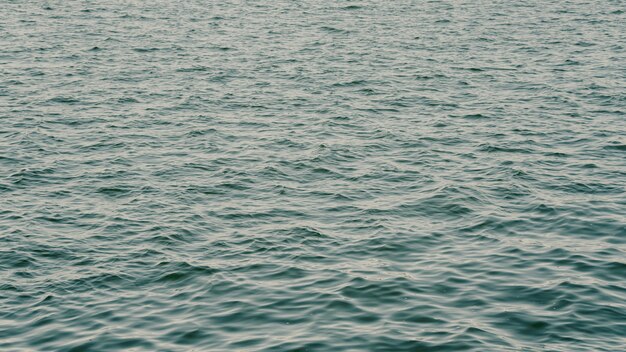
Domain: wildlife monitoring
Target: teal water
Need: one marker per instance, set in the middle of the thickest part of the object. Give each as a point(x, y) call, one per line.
point(312, 175)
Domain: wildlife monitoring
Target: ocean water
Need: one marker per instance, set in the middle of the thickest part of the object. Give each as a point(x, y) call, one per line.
point(312, 175)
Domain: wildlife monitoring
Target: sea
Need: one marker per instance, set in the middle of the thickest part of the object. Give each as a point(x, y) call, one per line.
point(312, 175)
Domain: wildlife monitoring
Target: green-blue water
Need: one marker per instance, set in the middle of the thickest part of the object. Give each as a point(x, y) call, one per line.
point(312, 175)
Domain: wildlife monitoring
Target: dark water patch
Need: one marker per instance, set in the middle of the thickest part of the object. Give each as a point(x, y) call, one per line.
point(476, 116)
point(183, 272)
point(352, 7)
point(330, 29)
point(114, 191)
point(355, 83)
point(193, 69)
point(127, 100)
point(64, 100)
point(619, 147)
point(146, 50)
point(502, 149)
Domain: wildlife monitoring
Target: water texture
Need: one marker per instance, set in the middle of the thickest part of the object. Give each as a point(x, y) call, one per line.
point(312, 175)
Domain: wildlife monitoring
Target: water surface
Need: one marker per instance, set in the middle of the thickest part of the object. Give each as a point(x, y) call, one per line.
point(312, 175)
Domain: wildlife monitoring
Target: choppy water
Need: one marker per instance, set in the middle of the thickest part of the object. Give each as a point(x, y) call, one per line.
point(312, 175)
